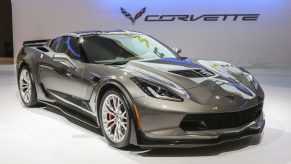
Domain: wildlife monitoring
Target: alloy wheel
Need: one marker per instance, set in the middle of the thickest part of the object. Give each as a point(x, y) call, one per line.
point(25, 85)
point(114, 118)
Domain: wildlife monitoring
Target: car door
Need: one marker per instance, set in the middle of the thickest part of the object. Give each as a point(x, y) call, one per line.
point(63, 82)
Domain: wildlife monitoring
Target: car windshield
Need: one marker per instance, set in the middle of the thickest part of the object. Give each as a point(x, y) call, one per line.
point(114, 48)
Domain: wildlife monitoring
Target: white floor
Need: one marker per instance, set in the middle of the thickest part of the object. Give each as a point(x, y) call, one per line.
point(41, 136)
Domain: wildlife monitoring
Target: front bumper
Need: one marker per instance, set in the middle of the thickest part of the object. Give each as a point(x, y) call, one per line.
point(160, 127)
point(208, 138)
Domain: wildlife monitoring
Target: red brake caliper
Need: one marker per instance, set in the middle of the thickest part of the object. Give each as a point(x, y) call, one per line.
point(110, 117)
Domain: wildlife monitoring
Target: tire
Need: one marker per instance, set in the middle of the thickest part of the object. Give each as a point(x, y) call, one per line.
point(106, 114)
point(26, 87)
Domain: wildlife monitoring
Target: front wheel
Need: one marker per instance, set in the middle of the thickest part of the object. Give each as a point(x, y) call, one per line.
point(115, 119)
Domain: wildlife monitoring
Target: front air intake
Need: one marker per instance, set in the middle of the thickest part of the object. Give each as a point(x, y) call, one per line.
point(196, 122)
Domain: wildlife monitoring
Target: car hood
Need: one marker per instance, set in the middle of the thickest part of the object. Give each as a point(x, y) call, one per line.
point(212, 78)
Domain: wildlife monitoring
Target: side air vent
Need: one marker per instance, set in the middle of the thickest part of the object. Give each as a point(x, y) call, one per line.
point(192, 73)
point(42, 49)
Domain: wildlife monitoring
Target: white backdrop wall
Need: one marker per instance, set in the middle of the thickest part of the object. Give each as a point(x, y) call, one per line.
point(266, 41)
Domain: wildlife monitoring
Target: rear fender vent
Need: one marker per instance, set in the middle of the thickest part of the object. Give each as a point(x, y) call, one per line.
point(192, 73)
point(42, 49)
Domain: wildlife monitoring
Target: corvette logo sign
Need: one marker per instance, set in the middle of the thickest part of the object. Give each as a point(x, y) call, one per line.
point(130, 17)
point(190, 17)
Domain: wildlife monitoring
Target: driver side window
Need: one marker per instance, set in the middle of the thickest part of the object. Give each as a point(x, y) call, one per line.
point(73, 48)
point(55, 43)
point(68, 45)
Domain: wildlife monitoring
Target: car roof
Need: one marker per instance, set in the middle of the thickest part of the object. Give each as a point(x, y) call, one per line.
point(95, 32)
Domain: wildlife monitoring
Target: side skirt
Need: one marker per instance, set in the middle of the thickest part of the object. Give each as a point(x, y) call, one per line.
point(72, 114)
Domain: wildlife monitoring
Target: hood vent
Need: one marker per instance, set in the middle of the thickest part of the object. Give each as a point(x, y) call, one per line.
point(194, 73)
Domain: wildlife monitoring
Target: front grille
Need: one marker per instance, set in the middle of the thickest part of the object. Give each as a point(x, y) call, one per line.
point(220, 120)
point(193, 73)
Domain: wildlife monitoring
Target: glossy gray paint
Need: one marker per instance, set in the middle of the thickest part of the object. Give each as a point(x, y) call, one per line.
point(79, 89)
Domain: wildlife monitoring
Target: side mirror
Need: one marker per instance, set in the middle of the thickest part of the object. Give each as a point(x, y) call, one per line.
point(177, 50)
point(64, 59)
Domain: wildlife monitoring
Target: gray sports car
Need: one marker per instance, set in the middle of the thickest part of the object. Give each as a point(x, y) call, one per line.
point(139, 91)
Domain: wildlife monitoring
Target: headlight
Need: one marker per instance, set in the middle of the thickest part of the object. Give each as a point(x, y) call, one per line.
point(156, 90)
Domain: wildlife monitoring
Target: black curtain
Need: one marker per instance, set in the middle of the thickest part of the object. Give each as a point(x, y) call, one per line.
point(6, 37)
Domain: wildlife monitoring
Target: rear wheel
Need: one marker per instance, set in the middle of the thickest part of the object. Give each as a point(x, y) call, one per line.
point(26, 87)
point(114, 116)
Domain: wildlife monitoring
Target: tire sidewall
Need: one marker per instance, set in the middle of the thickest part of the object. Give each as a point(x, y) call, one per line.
point(126, 139)
point(33, 99)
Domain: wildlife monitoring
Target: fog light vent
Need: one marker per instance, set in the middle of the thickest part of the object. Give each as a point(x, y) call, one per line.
point(190, 125)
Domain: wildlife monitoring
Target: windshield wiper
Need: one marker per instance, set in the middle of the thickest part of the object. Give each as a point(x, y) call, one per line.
point(156, 51)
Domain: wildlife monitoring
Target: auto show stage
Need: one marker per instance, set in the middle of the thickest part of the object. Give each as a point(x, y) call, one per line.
point(45, 135)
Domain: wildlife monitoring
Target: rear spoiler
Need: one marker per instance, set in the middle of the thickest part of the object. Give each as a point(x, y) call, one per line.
point(35, 43)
